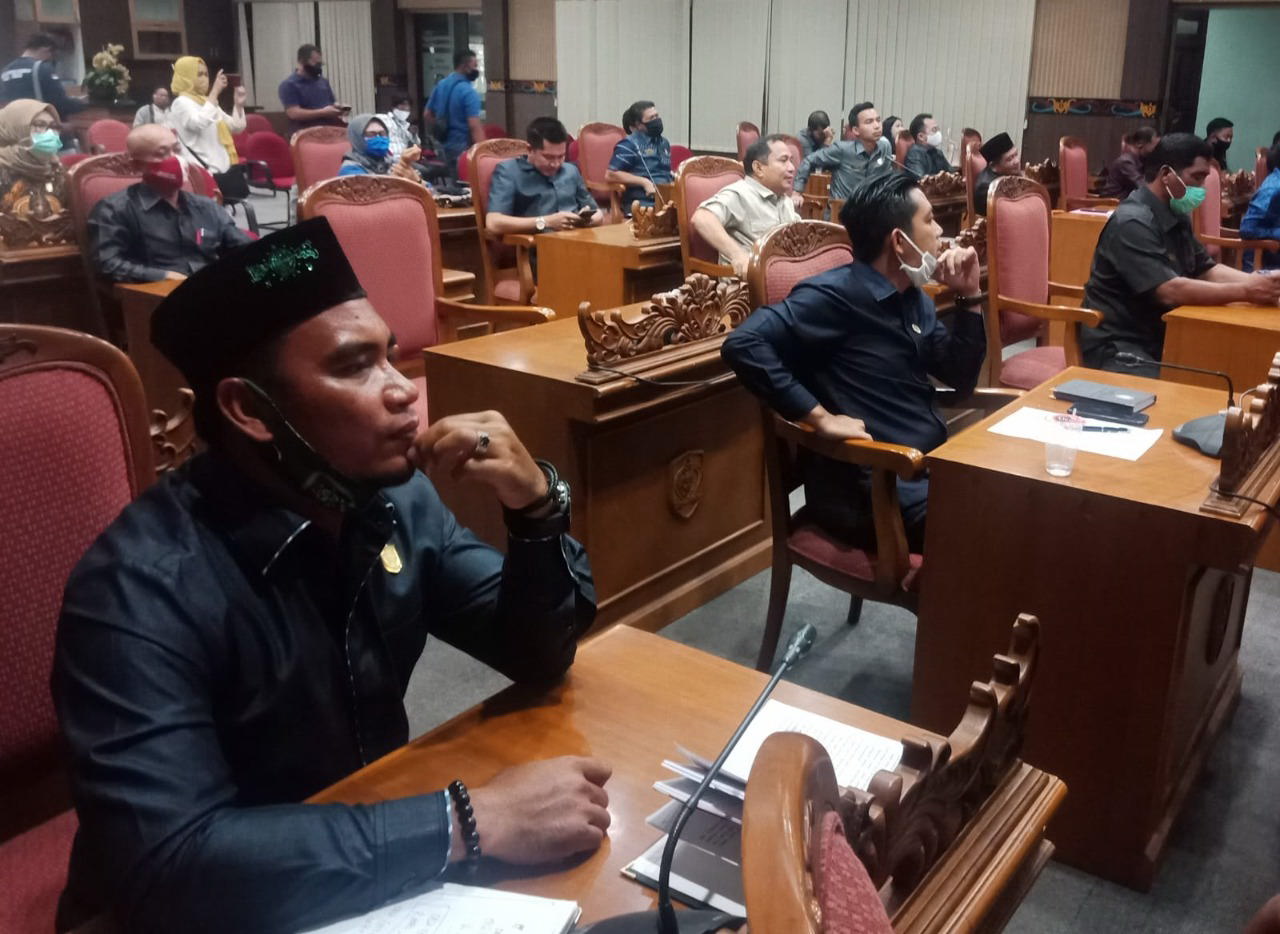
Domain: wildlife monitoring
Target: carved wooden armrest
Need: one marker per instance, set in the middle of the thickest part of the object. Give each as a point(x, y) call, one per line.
point(1066, 313)
point(1061, 288)
point(522, 241)
point(606, 188)
point(1237, 243)
point(457, 316)
point(710, 269)
point(906, 462)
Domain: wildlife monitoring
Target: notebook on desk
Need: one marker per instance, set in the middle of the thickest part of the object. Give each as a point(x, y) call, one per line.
point(1103, 398)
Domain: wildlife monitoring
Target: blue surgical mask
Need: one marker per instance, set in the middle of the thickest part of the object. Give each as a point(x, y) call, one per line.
point(46, 142)
point(377, 146)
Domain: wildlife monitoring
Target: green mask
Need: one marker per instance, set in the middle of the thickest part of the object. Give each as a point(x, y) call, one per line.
point(1186, 203)
point(46, 142)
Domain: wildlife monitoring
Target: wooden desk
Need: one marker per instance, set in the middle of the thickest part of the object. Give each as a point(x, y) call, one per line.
point(1141, 598)
point(629, 698)
point(1074, 236)
point(46, 285)
point(606, 266)
point(668, 483)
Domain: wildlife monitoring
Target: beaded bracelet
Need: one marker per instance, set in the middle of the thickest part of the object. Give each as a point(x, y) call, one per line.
point(467, 822)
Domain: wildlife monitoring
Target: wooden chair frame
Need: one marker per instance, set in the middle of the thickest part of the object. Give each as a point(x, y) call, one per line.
point(1075, 202)
point(1228, 238)
point(316, 134)
point(699, 165)
point(792, 241)
point(612, 190)
point(814, 199)
point(455, 319)
point(970, 139)
point(1015, 188)
point(523, 243)
point(968, 148)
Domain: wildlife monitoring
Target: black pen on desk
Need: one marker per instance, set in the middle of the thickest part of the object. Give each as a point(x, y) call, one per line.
point(1106, 428)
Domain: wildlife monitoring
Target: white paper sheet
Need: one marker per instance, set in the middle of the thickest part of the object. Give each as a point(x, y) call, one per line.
point(1033, 424)
point(464, 909)
point(855, 754)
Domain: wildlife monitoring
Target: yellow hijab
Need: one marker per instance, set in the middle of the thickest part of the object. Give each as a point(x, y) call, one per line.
point(185, 70)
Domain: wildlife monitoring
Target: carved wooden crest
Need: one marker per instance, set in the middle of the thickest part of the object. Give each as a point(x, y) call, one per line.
point(797, 240)
point(503, 148)
point(323, 134)
point(1046, 172)
point(908, 817)
point(701, 308)
point(1237, 185)
point(942, 185)
point(649, 222)
point(976, 237)
point(364, 189)
point(684, 483)
point(1249, 454)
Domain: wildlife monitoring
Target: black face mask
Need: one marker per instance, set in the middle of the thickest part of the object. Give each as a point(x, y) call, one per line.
point(472, 74)
point(1220, 146)
point(654, 127)
point(313, 70)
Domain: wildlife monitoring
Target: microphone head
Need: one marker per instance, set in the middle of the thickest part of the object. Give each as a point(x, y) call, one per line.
point(800, 644)
point(1125, 358)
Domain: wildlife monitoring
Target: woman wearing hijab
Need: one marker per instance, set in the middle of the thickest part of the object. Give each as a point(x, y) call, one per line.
point(32, 179)
point(371, 151)
point(203, 127)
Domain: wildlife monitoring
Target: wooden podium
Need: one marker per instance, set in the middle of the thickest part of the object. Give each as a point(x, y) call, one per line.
point(668, 480)
point(1141, 595)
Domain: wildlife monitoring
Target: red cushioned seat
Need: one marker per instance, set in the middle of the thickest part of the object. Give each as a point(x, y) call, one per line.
point(33, 866)
point(812, 542)
point(849, 901)
point(1029, 369)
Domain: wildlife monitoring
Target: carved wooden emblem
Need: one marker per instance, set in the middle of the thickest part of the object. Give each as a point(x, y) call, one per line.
point(976, 237)
point(649, 222)
point(702, 307)
point(684, 483)
point(1046, 173)
point(942, 185)
point(1237, 185)
point(1250, 452)
point(364, 189)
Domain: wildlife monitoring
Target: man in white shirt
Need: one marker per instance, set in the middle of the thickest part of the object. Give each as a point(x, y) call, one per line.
point(155, 112)
point(738, 215)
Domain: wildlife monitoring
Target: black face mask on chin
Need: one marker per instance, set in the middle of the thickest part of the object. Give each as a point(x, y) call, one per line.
point(314, 71)
point(472, 74)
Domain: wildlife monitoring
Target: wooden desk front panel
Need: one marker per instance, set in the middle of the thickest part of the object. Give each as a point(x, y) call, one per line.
point(46, 286)
point(605, 266)
point(1239, 340)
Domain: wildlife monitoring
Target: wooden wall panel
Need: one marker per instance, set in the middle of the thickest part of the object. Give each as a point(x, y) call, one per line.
point(532, 28)
point(1146, 53)
point(1078, 48)
point(1101, 136)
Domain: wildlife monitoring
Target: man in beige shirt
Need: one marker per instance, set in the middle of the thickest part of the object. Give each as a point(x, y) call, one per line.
point(738, 215)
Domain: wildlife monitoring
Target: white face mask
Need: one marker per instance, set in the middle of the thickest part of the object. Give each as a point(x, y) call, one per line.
point(935, 138)
point(918, 275)
point(401, 115)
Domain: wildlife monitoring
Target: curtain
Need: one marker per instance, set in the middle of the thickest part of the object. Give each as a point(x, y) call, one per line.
point(346, 37)
point(730, 46)
point(805, 64)
point(278, 30)
point(245, 55)
point(967, 64)
point(610, 53)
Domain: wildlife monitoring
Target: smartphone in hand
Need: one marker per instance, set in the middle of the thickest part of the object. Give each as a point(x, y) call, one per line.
point(585, 213)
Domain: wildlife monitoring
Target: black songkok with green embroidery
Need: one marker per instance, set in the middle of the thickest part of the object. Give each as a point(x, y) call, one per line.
point(251, 295)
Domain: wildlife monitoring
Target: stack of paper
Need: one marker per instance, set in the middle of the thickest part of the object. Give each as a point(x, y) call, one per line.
point(464, 909)
point(707, 869)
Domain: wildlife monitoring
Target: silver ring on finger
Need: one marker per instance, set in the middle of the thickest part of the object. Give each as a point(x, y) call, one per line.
point(482, 444)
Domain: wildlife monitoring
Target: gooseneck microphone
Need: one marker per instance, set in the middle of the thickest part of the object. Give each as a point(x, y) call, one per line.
point(666, 920)
point(658, 200)
point(1133, 360)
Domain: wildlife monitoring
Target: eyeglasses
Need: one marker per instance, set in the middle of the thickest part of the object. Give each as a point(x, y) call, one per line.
point(373, 134)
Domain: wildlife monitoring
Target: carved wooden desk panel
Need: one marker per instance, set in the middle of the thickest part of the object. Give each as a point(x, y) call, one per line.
point(606, 266)
point(1141, 599)
point(629, 698)
point(46, 285)
point(668, 483)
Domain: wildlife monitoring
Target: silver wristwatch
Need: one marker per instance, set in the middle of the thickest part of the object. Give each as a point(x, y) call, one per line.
point(540, 224)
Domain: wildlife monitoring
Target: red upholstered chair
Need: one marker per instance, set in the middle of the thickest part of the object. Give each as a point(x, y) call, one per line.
point(389, 230)
point(800, 874)
point(257, 123)
point(747, 134)
point(786, 255)
point(596, 142)
point(1224, 242)
point(1073, 166)
point(106, 136)
point(678, 155)
point(698, 179)
point(271, 169)
point(317, 154)
point(68, 159)
point(796, 147)
point(970, 139)
point(972, 163)
point(508, 275)
point(901, 145)
point(1018, 250)
point(76, 451)
point(493, 131)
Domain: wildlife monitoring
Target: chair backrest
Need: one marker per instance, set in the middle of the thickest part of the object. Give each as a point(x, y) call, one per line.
point(678, 155)
point(595, 148)
point(747, 134)
point(796, 147)
point(257, 123)
point(493, 131)
point(74, 426)
point(390, 233)
point(1207, 219)
point(105, 136)
point(68, 159)
point(270, 147)
point(1018, 217)
point(1073, 170)
point(1260, 167)
point(482, 159)
point(202, 182)
point(901, 145)
point(789, 254)
point(317, 153)
point(698, 179)
point(971, 164)
point(970, 139)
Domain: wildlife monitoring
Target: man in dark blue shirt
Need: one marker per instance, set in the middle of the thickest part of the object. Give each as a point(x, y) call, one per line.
point(641, 161)
point(540, 191)
point(31, 76)
point(850, 351)
point(452, 114)
point(306, 95)
point(242, 635)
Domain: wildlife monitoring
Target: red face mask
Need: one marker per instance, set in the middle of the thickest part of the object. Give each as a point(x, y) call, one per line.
point(164, 176)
